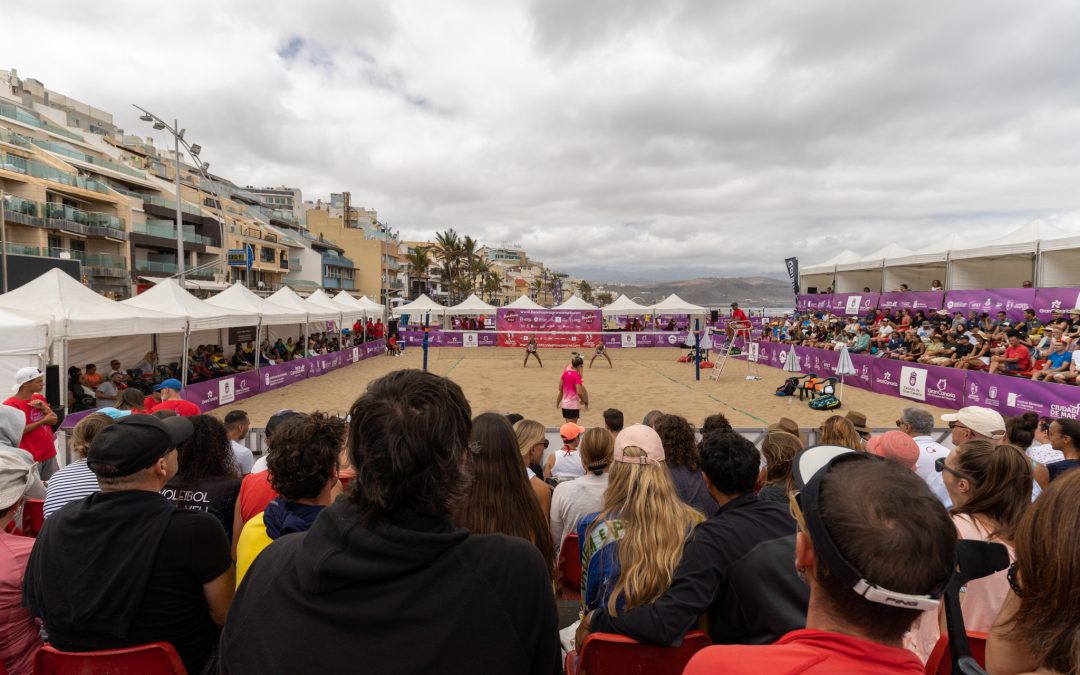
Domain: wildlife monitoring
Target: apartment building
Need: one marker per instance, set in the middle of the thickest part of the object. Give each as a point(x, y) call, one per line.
point(369, 246)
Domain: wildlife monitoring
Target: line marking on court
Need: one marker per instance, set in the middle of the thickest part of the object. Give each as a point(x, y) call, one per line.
point(447, 373)
point(718, 400)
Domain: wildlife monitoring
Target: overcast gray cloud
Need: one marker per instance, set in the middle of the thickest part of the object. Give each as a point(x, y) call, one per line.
point(609, 133)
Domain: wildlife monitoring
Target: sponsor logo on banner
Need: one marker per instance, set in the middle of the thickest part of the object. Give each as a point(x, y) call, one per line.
point(628, 340)
point(1010, 400)
point(226, 390)
point(912, 383)
point(853, 304)
point(355, 354)
point(752, 352)
point(673, 339)
point(469, 340)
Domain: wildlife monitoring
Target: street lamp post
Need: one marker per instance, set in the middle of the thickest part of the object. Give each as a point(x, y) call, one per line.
point(3, 241)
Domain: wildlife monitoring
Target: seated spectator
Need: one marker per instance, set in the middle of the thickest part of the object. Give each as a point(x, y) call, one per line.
point(717, 422)
point(935, 285)
point(80, 397)
point(919, 424)
point(498, 499)
point(641, 529)
point(935, 350)
point(895, 446)
point(683, 462)
point(979, 357)
point(256, 490)
point(171, 400)
point(92, 378)
point(1032, 323)
point(837, 430)
point(157, 573)
point(1070, 374)
point(207, 478)
point(115, 367)
point(914, 347)
point(613, 421)
point(990, 485)
point(148, 365)
point(1040, 448)
point(565, 464)
point(237, 426)
point(778, 449)
point(1036, 630)
point(575, 499)
point(700, 583)
point(531, 445)
point(304, 473)
point(392, 545)
point(21, 638)
point(1065, 438)
point(861, 343)
point(76, 480)
point(870, 534)
point(1016, 358)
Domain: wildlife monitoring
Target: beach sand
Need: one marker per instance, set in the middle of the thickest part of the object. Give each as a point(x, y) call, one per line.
point(642, 380)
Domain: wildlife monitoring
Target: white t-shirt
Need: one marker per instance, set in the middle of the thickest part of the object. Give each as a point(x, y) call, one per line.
point(567, 464)
point(573, 500)
point(929, 451)
point(245, 459)
point(259, 465)
point(1076, 359)
point(107, 388)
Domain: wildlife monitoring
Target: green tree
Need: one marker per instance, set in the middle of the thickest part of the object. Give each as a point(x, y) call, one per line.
point(604, 298)
point(419, 265)
point(586, 291)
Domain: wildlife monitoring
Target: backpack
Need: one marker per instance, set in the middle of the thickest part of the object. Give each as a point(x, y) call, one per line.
point(788, 387)
point(825, 402)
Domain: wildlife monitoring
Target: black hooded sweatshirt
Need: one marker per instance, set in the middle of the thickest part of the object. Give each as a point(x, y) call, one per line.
point(417, 596)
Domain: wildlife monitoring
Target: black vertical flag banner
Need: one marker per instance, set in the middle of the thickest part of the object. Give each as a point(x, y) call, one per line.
point(793, 273)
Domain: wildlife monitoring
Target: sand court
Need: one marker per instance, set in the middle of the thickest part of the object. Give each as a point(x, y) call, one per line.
point(641, 380)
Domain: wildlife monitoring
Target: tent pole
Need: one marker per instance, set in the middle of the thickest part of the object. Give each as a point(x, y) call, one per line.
point(258, 343)
point(184, 357)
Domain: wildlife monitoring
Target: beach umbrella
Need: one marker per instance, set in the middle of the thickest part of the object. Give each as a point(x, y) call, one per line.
point(844, 367)
point(791, 364)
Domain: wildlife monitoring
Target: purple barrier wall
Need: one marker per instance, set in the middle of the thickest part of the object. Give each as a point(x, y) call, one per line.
point(853, 304)
point(223, 390)
point(992, 300)
point(935, 385)
point(912, 300)
point(1049, 299)
point(1015, 396)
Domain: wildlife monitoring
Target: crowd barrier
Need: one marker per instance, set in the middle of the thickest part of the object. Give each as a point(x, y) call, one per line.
point(210, 394)
point(934, 385)
point(1013, 301)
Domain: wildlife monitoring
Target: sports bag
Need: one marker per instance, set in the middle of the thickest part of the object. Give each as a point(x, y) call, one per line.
point(825, 402)
point(788, 387)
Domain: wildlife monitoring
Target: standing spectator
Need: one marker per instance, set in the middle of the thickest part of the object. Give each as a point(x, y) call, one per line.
point(858, 422)
point(132, 401)
point(498, 499)
point(124, 566)
point(148, 365)
point(1036, 630)
point(171, 399)
point(237, 426)
point(76, 480)
point(1041, 449)
point(392, 545)
point(37, 436)
point(683, 463)
point(151, 401)
point(1065, 438)
point(207, 478)
point(919, 424)
point(716, 422)
point(11, 432)
point(575, 499)
point(304, 472)
point(871, 536)
point(531, 445)
point(20, 636)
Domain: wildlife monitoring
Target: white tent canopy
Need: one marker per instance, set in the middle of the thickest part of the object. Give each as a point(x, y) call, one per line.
point(237, 297)
point(524, 302)
point(26, 339)
point(624, 306)
point(367, 307)
point(874, 260)
point(168, 297)
point(472, 305)
point(673, 304)
point(1024, 239)
point(348, 314)
point(841, 258)
point(75, 311)
point(575, 302)
point(420, 306)
point(287, 297)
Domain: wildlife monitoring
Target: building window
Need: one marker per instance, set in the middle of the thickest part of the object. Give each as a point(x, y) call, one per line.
point(266, 254)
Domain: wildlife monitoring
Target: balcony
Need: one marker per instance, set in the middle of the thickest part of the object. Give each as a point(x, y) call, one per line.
point(186, 207)
point(24, 117)
point(68, 151)
point(99, 264)
point(166, 230)
point(60, 217)
point(258, 235)
point(295, 265)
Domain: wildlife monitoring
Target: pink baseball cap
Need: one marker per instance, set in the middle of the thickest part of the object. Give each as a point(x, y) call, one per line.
point(895, 445)
point(639, 436)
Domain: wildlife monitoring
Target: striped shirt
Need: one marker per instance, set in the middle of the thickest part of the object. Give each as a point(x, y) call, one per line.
point(69, 484)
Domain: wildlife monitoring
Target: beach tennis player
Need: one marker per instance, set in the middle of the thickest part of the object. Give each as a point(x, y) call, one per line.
point(530, 350)
point(571, 390)
point(601, 350)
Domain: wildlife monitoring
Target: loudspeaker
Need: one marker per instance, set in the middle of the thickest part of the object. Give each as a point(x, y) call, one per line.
point(55, 391)
point(811, 290)
point(714, 315)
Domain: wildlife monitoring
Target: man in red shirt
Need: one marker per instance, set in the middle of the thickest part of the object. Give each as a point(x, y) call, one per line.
point(1016, 358)
point(37, 437)
point(171, 400)
point(899, 549)
point(738, 321)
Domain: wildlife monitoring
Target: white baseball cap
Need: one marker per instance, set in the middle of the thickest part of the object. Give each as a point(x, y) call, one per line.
point(983, 421)
point(26, 375)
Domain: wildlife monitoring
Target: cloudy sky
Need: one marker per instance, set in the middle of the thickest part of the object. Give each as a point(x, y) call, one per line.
point(638, 137)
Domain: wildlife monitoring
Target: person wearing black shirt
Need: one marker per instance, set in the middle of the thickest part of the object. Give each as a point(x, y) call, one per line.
point(125, 567)
point(713, 555)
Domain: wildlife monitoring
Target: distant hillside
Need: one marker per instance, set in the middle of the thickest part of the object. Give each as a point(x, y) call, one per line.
point(709, 291)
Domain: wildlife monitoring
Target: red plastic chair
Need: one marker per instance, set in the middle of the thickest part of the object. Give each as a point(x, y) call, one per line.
point(156, 658)
point(33, 518)
point(1033, 366)
point(940, 662)
point(608, 653)
point(570, 568)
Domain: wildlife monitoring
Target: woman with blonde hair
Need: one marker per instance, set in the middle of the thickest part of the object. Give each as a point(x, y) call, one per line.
point(629, 550)
point(572, 500)
point(76, 480)
point(532, 442)
point(840, 431)
point(779, 449)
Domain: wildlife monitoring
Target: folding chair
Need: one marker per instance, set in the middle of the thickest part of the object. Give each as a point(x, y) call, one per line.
point(939, 662)
point(608, 653)
point(33, 517)
point(570, 568)
point(156, 658)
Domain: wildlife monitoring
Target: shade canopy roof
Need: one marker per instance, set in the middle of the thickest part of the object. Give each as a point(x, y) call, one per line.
point(168, 297)
point(624, 306)
point(575, 302)
point(420, 306)
point(673, 304)
point(238, 297)
point(287, 297)
point(472, 305)
point(525, 302)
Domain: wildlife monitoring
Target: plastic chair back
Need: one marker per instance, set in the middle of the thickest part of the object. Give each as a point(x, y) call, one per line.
point(33, 518)
point(157, 658)
point(570, 566)
point(617, 654)
point(939, 662)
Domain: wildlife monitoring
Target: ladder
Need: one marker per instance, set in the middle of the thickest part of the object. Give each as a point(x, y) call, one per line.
point(749, 348)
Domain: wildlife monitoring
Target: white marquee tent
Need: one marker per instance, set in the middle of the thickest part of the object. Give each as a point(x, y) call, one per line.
point(524, 302)
point(673, 304)
point(576, 303)
point(366, 306)
point(421, 306)
point(237, 297)
point(823, 275)
point(472, 305)
point(287, 297)
point(25, 343)
point(852, 277)
point(349, 315)
point(624, 306)
point(1005, 262)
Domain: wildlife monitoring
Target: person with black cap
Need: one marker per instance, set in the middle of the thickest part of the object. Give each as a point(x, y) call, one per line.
point(124, 566)
point(875, 548)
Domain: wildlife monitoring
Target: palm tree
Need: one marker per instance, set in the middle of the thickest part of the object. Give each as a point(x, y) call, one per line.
point(448, 249)
point(419, 263)
point(492, 285)
point(537, 288)
point(586, 291)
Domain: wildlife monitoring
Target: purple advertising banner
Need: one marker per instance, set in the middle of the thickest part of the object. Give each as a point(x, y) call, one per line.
point(934, 385)
point(223, 390)
point(651, 339)
point(853, 304)
point(912, 300)
point(548, 320)
point(1012, 301)
point(1049, 299)
point(1013, 396)
point(282, 374)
